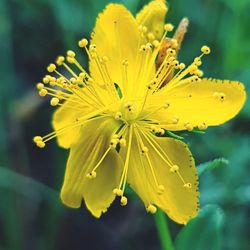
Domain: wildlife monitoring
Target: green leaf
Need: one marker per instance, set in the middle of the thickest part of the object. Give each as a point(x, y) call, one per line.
point(26, 186)
point(204, 232)
point(216, 163)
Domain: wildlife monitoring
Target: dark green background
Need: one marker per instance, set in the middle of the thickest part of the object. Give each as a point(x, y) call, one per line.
point(32, 34)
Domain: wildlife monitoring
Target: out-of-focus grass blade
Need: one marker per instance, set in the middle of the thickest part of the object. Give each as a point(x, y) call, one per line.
point(216, 163)
point(204, 232)
point(26, 186)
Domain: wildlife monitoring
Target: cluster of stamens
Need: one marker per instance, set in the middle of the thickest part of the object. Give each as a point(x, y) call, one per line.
point(80, 88)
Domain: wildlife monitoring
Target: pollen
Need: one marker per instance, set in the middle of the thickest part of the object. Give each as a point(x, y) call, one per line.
point(151, 209)
point(187, 185)
point(174, 168)
point(83, 43)
point(51, 68)
point(160, 189)
point(205, 49)
point(168, 27)
point(123, 201)
point(54, 101)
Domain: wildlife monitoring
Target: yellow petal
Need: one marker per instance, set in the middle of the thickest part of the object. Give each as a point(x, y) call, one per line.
point(84, 156)
point(210, 102)
point(181, 204)
point(152, 16)
point(65, 116)
point(116, 36)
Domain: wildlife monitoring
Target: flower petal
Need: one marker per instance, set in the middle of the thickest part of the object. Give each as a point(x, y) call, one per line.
point(152, 16)
point(84, 156)
point(65, 116)
point(179, 203)
point(116, 36)
point(210, 102)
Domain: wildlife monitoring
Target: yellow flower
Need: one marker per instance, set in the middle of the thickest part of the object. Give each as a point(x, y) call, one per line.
point(115, 118)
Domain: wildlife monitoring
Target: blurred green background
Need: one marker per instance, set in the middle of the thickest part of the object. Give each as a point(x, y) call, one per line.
point(32, 34)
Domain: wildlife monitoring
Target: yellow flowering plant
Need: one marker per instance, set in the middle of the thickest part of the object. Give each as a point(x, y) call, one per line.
point(115, 118)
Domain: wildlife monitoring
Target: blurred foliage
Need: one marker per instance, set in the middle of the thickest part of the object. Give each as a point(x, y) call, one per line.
point(32, 34)
point(207, 228)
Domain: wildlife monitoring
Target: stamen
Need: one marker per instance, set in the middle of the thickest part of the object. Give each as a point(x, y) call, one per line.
point(151, 209)
point(159, 187)
point(92, 174)
point(123, 201)
point(125, 169)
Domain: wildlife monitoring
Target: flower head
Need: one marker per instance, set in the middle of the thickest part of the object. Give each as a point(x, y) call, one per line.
point(115, 118)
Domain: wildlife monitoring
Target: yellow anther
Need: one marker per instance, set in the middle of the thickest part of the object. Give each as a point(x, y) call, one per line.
point(151, 209)
point(149, 86)
point(171, 52)
point(118, 192)
point(128, 105)
point(187, 185)
point(90, 81)
point(153, 128)
point(202, 126)
point(192, 68)
point(114, 142)
point(52, 79)
point(205, 49)
point(161, 131)
point(174, 43)
point(43, 92)
point(151, 36)
point(124, 201)
point(73, 80)
point(199, 73)
point(91, 175)
point(174, 169)
point(160, 189)
point(125, 62)
point(143, 48)
point(51, 68)
point(188, 126)
point(123, 142)
point(182, 66)
point(140, 28)
point(40, 86)
point(156, 43)
point(54, 101)
point(115, 136)
point(83, 43)
point(82, 75)
point(144, 150)
point(105, 58)
point(175, 63)
point(219, 96)
point(197, 61)
point(195, 78)
point(60, 60)
point(166, 105)
point(37, 139)
point(70, 59)
point(46, 79)
point(71, 53)
point(168, 27)
point(148, 46)
point(118, 115)
point(222, 97)
point(144, 29)
point(92, 48)
point(40, 144)
point(175, 120)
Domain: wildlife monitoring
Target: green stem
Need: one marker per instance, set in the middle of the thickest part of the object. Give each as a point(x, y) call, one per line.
point(163, 231)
